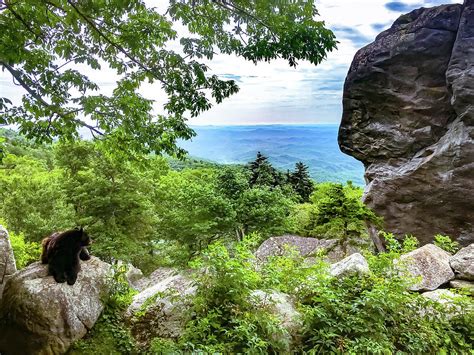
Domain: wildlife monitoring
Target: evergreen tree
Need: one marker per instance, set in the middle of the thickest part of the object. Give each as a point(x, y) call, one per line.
point(262, 173)
point(340, 213)
point(301, 181)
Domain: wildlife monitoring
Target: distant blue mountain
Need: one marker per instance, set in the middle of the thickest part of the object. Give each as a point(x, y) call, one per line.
point(315, 145)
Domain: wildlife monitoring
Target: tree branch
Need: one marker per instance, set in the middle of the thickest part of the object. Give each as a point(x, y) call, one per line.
point(116, 45)
point(16, 75)
point(228, 5)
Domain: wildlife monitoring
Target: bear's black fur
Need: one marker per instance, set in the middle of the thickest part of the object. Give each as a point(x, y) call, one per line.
point(62, 251)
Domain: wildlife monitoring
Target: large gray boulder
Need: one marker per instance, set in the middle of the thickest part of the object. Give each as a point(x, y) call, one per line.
point(161, 309)
point(463, 263)
point(306, 247)
point(40, 316)
point(408, 116)
point(7, 259)
point(354, 264)
point(431, 264)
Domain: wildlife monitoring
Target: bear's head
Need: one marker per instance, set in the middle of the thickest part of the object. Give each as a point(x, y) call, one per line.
point(84, 237)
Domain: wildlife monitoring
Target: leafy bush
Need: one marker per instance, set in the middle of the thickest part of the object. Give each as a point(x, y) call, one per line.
point(377, 314)
point(446, 243)
point(224, 318)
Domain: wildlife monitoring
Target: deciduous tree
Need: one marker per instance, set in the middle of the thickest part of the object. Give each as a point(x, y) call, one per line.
point(49, 48)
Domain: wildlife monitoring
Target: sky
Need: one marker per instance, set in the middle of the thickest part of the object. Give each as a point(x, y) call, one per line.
point(274, 93)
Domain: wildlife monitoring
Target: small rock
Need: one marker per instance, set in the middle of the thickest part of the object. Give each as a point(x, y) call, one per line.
point(7, 259)
point(441, 296)
point(463, 263)
point(431, 263)
point(353, 264)
point(463, 285)
point(40, 316)
point(280, 305)
point(447, 299)
point(133, 274)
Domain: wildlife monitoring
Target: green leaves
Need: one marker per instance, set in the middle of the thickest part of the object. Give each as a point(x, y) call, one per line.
point(224, 318)
point(49, 46)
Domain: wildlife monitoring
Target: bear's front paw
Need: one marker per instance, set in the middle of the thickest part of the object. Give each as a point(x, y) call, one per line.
point(59, 278)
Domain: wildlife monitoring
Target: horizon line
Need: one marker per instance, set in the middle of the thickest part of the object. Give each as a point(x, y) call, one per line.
point(262, 124)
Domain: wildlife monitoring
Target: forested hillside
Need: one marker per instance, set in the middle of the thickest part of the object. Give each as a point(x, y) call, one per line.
point(155, 211)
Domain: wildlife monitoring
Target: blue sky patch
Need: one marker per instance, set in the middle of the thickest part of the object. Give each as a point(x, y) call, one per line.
point(399, 6)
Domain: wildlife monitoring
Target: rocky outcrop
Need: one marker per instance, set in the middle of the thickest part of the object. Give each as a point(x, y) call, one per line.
point(161, 309)
point(429, 262)
point(408, 115)
point(354, 264)
point(40, 316)
point(7, 259)
point(306, 247)
point(463, 263)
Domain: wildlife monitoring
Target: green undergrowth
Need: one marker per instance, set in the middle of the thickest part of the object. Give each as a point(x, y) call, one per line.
point(370, 314)
point(374, 313)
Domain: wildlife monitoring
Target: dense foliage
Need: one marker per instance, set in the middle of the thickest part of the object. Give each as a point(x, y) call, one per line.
point(55, 49)
point(154, 211)
point(373, 314)
point(149, 211)
point(334, 211)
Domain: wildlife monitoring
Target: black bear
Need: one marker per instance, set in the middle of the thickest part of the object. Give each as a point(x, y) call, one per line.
point(62, 251)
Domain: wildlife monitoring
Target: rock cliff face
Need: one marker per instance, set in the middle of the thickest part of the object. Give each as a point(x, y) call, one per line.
point(408, 115)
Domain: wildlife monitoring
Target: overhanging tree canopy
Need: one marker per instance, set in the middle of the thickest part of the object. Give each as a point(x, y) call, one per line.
point(47, 46)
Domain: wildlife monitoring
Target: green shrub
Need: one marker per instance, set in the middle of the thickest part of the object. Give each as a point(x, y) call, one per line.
point(445, 243)
point(224, 320)
point(163, 347)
